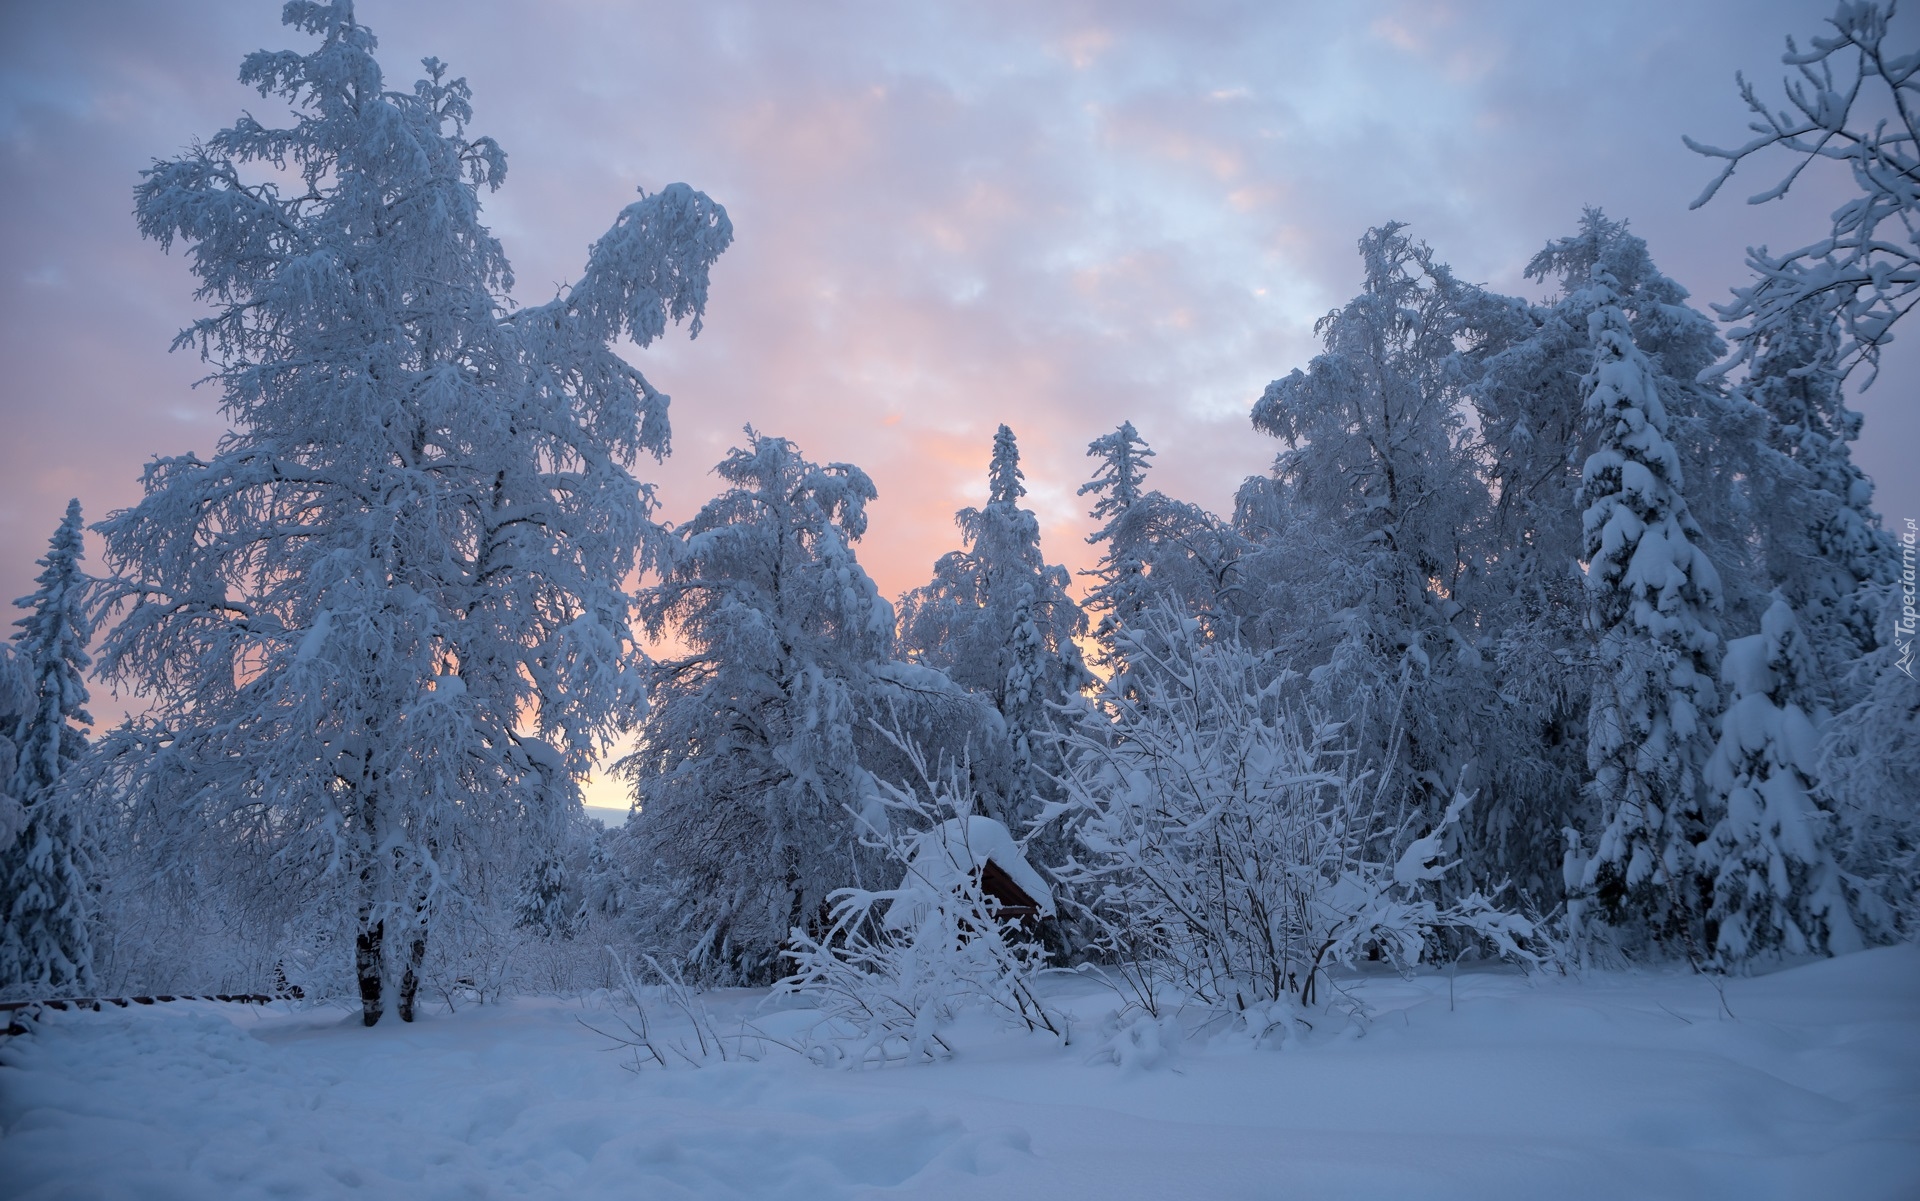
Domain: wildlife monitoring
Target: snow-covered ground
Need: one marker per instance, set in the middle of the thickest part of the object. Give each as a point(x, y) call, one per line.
point(1803, 1084)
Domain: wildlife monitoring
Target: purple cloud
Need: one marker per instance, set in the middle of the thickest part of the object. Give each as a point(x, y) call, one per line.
point(948, 215)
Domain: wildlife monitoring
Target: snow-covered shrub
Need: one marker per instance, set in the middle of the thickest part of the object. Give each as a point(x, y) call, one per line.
point(1229, 851)
point(644, 1031)
point(897, 965)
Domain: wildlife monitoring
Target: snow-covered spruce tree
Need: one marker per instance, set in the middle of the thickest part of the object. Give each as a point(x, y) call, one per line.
point(544, 903)
point(1119, 484)
point(547, 899)
point(1654, 596)
point(1156, 548)
point(1825, 543)
point(748, 763)
point(1776, 885)
point(1377, 453)
point(1855, 103)
point(46, 944)
point(997, 619)
point(1523, 373)
point(16, 701)
point(392, 601)
point(1869, 768)
point(1718, 433)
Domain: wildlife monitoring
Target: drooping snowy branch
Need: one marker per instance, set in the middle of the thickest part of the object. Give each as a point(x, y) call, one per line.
point(1853, 100)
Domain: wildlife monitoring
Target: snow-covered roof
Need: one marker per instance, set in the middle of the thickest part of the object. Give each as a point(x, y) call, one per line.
point(945, 856)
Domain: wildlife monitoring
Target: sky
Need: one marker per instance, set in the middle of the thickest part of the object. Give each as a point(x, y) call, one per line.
point(947, 215)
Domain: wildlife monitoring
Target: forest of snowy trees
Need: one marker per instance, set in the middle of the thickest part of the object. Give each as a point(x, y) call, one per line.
point(1561, 629)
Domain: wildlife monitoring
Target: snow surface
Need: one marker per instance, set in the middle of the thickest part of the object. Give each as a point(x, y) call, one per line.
point(1805, 1084)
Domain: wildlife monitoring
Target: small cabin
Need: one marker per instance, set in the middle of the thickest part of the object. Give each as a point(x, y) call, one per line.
point(1007, 898)
point(973, 848)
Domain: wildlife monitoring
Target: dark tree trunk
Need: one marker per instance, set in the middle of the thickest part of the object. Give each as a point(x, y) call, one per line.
point(416, 954)
point(366, 965)
point(368, 945)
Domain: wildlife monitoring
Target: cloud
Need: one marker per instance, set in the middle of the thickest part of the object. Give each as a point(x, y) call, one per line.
point(949, 215)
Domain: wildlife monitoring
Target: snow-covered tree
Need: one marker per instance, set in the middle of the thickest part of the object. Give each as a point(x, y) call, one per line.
point(1156, 549)
point(997, 619)
point(1524, 373)
point(1776, 885)
point(1118, 484)
point(389, 613)
point(1869, 767)
point(1717, 431)
point(1654, 598)
point(16, 701)
point(1853, 100)
point(748, 772)
point(46, 944)
point(1376, 453)
point(1522, 378)
point(544, 903)
point(1373, 426)
point(1824, 540)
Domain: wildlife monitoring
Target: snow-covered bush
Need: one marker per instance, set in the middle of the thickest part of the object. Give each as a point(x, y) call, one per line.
point(1229, 850)
point(644, 1010)
point(897, 965)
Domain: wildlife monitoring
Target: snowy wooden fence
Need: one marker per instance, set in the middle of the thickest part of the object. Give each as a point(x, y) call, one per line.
point(20, 1013)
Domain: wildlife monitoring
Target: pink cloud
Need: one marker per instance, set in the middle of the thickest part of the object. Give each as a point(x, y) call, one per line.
point(948, 215)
